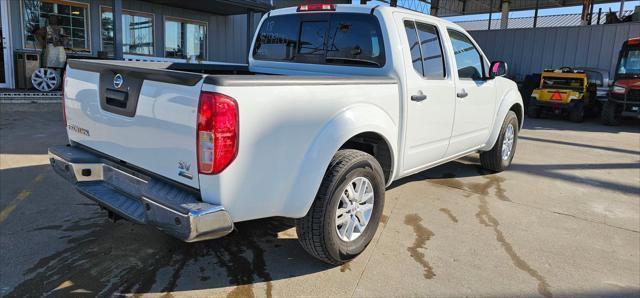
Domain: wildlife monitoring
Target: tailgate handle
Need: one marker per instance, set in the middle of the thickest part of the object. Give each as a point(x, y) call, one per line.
point(116, 98)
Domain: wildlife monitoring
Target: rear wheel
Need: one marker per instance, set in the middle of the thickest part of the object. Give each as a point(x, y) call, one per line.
point(345, 214)
point(609, 115)
point(500, 156)
point(576, 114)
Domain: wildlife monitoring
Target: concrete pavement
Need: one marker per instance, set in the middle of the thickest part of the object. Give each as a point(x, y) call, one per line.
point(563, 221)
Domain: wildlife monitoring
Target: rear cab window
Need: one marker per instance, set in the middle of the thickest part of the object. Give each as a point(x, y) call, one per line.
point(322, 38)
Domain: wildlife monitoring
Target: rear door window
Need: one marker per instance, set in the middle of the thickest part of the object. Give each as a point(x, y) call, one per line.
point(426, 49)
point(322, 38)
point(414, 45)
point(432, 58)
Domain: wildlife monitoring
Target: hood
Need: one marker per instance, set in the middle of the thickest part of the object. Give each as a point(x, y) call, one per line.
point(628, 83)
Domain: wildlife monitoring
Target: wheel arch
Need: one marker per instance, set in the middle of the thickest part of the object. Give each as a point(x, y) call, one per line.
point(510, 101)
point(364, 127)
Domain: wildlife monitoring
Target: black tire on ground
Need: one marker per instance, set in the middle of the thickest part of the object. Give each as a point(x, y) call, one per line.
point(609, 115)
point(576, 114)
point(533, 111)
point(492, 159)
point(317, 231)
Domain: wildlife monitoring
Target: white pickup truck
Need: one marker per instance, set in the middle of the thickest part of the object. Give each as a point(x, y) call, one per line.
point(337, 101)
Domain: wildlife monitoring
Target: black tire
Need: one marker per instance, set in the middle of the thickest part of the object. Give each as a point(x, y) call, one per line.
point(492, 160)
point(533, 111)
point(609, 114)
point(317, 230)
point(576, 114)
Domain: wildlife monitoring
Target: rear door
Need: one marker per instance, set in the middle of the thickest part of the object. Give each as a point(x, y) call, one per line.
point(475, 96)
point(429, 93)
point(143, 116)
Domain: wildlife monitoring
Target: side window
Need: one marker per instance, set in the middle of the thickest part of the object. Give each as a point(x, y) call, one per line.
point(432, 58)
point(468, 59)
point(414, 45)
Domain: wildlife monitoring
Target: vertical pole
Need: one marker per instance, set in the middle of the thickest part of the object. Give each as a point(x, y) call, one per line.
point(504, 20)
point(590, 18)
point(599, 14)
point(435, 5)
point(117, 29)
point(621, 11)
point(535, 14)
point(490, 13)
point(586, 7)
point(250, 24)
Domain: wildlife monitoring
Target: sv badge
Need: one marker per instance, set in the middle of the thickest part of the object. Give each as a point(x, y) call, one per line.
point(184, 169)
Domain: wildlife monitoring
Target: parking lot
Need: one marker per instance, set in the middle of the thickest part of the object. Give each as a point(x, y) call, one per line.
point(564, 220)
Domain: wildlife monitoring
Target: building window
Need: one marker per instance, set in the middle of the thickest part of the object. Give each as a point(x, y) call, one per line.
point(137, 32)
point(58, 21)
point(184, 38)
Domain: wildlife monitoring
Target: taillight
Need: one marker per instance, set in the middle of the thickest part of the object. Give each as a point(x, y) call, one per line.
point(217, 135)
point(64, 109)
point(316, 7)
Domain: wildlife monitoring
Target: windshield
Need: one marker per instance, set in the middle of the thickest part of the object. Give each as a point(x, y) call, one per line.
point(629, 66)
point(563, 83)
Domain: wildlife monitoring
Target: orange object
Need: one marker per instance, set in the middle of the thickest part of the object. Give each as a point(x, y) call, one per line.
point(556, 96)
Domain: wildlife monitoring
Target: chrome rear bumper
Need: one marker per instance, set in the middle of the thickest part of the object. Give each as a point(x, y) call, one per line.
point(139, 198)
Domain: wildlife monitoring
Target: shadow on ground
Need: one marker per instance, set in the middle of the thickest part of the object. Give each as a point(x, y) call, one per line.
point(99, 257)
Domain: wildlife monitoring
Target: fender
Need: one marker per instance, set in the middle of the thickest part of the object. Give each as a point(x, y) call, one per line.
point(510, 97)
point(349, 122)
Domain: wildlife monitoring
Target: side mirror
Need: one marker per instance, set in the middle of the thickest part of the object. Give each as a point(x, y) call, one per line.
point(498, 69)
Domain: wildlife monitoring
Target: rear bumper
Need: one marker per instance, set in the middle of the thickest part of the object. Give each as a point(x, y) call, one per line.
point(553, 104)
point(139, 198)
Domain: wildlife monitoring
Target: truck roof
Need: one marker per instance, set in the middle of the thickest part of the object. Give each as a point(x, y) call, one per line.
point(365, 9)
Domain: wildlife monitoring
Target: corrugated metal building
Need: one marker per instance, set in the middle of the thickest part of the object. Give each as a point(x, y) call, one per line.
point(531, 50)
point(565, 20)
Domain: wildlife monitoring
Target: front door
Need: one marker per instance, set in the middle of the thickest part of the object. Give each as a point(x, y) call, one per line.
point(6, 65)
point(475, 97)
point(430, 93)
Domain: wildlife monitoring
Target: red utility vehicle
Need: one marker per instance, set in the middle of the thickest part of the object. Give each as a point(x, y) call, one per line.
point(624, 95)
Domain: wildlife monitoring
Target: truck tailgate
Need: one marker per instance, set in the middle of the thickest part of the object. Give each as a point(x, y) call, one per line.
point(139, 113)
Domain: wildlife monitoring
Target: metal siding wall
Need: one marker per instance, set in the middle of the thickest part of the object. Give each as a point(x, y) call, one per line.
point(532, 50)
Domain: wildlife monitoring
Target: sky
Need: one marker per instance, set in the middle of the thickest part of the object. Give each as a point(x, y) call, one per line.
point(628, 5)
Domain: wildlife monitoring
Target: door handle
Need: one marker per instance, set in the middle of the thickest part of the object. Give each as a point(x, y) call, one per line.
point(418, 97)
point(462, 93)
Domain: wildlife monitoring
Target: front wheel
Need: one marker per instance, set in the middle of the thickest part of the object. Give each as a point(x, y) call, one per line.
point(609, 115)
point(345, 214)
point(499, 157)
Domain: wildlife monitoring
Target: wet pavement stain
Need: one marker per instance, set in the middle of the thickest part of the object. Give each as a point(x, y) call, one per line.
point(422, 236)
point(449, 214)
point(384, 219)
point(485, 218)
point(106, 259)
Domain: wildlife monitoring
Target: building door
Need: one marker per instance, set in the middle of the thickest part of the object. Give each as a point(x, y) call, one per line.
point(6, 65)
